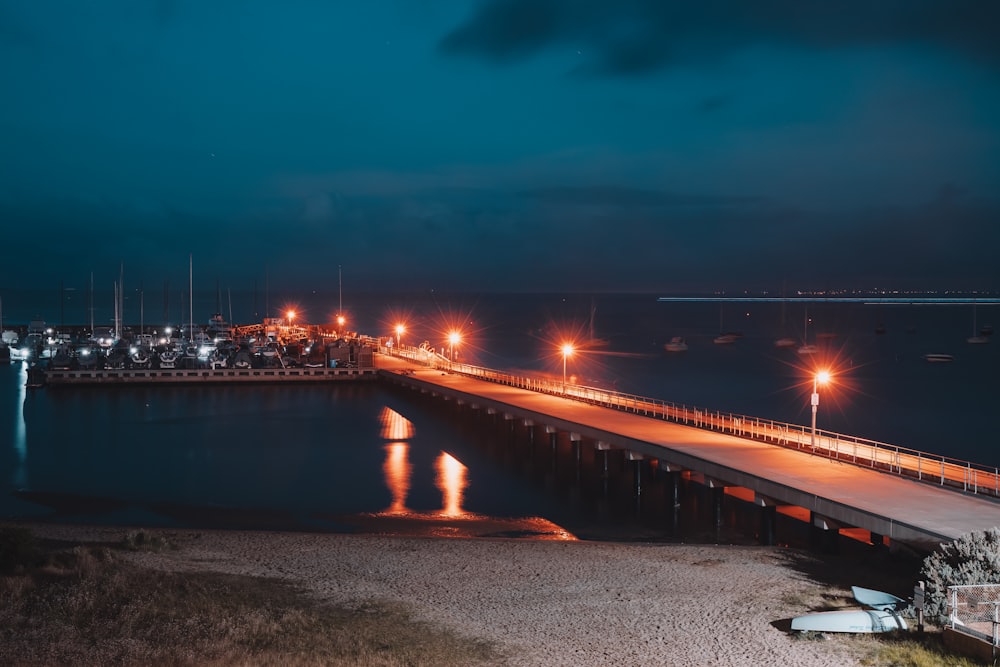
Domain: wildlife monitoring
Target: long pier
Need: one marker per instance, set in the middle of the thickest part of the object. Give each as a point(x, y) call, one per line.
point(836, 492)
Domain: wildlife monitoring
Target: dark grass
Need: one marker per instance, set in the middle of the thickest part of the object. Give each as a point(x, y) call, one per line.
point(86, 605)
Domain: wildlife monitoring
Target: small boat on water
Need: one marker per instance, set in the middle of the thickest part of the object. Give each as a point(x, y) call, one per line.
point(86, 357)
point(61, 359)
point(785, 342)
point(139, 357)
point(725, 339)
point(676, 344)
point(808, 349)
point(168, 358)
point(36, 376)
point(936, 358)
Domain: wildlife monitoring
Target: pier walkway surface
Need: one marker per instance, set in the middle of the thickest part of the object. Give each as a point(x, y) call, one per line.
point(836, 493)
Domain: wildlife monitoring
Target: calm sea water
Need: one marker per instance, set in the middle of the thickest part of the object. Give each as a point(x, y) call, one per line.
point(307, 457)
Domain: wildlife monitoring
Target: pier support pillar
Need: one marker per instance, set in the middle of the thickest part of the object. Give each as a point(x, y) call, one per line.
point(718, 494)
point(509, 418)
point(877, 540)
point(768, 513)
point(553, 446)
point(824, 533)
point(673, 500)
point(576, 443)
point(603, 448)
point(637, 460)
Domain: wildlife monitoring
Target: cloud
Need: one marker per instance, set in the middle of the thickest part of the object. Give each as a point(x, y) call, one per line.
point(630, 37)
point(625, 197)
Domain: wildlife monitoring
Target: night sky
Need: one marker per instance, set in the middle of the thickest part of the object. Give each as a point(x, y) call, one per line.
point(543, 145)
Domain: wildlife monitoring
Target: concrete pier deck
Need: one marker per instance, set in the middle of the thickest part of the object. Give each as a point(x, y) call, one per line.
point(835, 493)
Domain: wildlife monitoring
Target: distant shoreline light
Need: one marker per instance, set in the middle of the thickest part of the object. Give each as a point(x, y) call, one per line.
point(868, 300)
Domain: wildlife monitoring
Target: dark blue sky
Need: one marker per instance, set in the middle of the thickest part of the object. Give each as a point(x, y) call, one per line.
point(503, 144)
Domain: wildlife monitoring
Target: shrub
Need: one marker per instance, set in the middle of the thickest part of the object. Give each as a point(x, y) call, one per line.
point(18, 549)
point(973, 558)
point(140, 540)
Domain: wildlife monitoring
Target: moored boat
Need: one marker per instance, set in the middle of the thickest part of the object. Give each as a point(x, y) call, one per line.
point(139, 357)
point(168, 358)
point(676, 344)
point(936, 358)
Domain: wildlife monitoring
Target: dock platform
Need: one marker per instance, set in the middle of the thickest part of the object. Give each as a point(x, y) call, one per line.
point(206, 376)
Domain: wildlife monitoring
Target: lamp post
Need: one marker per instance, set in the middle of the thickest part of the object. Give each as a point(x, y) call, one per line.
point(291, 319)
point(567, 351)
point(821, 377)
point(453, 340)
point(340, 325)
point(400, 330)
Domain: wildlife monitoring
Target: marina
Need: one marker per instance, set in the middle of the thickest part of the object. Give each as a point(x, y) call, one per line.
point(190, 404)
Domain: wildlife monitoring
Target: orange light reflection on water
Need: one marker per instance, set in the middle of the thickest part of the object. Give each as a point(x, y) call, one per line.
point(394, 425)
point(397, 471)
point(451, 480)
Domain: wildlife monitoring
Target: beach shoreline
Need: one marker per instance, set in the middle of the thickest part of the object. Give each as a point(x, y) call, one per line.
point(549, 602)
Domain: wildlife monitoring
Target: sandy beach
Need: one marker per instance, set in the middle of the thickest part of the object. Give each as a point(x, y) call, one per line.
point(547, 602)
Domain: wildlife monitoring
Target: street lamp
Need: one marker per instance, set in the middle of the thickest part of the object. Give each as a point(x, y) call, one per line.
point(567, 351)
point(453, 340)
point(400, 330)
point(820, 378)
point(340, 324)
point(291, 318)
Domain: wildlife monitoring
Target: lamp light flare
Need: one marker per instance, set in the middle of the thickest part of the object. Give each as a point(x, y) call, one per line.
point(567, 351)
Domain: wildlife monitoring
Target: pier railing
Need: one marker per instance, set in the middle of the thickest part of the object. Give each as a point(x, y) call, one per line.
point(935, 469)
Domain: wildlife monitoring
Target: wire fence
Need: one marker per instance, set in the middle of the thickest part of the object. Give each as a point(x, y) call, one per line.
point(975, 610)
point(922, 466)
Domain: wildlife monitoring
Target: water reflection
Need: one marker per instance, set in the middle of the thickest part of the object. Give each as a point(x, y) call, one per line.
point(394, 425)
point(397, 471)
point(451, 480)
point(19, 477)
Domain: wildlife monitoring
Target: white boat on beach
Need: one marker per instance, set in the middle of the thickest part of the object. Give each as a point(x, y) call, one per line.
point(850, 620)
point(877, 599)
point(882, 617)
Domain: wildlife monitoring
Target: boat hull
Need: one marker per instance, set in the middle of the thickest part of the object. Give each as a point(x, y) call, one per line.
point(877, 599)
point(849, 620)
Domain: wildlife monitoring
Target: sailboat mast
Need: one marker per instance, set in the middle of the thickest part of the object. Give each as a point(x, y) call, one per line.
point(191, 297)
point(340, 290)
